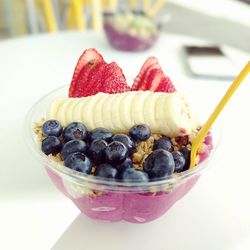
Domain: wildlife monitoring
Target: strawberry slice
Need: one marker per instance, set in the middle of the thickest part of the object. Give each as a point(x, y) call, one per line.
point(150, 63)
point(151, 77)
point(165, 85)
point(114, 80)
point(88, 60)
point(94, 79)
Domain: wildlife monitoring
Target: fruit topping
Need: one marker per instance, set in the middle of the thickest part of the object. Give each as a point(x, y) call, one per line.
point(106, 170)
point(93, 75)
point(52, 128)
point(127, 141)
point(163, 143)
point(151, 77)
point(79, 162)
point(160, 163)
point(101, 133)
point(179, 161)
point(75, 130)
point(72, 147)
point(51, 145)
point(165, 85)
point(186, 153)
point(116, 152)
point(140, 132)
point(96, 150)
point(114, 80)
point(139, 156)
point(87, 62)
point(127, 163)
point(133, 175)
point(150, 63)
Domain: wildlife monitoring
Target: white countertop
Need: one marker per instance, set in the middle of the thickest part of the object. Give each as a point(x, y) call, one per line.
point(34, 215)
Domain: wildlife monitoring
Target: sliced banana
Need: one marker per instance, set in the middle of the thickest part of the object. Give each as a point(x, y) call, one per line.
point(137, 106)
point(87, 112)
point(106, 113)
point(52, 111)
point(160, 109)
point(62, 111)
point(165, 113)
point(115, 113)
point(149, 111)
point(70, 111)
point(125, 109)
point(77, 111)
point(98, 110)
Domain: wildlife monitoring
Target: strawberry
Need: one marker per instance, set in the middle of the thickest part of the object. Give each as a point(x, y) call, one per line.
point(88, 60)
point(150, 63)
point(94, 79)
point(114, 80)
point(165, 85)
point(151, 77)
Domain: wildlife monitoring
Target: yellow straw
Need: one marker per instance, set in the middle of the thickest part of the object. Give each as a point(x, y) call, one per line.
point(204, 130)
point(146, 5)
point(133, 4)
point(49, 15)
point(154, 9)
point(78, 14)
point(97, 22)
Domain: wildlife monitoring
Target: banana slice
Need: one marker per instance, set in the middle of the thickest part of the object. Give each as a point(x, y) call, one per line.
point(62, 111)
point(106, 113)
point(115, 114)
point(149, 111)
point(125, 109)
point(137, 106)
point(69, 115)
point(52, 111)
point(98, 121)
point(87, 112)
point(160, 110)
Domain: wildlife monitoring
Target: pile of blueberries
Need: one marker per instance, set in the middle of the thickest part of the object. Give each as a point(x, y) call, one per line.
point(111, 153)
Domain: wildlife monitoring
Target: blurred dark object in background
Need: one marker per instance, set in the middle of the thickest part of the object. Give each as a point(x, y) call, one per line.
point(245, 1)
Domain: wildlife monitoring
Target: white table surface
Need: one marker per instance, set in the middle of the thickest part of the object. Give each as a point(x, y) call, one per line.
point(35, 215)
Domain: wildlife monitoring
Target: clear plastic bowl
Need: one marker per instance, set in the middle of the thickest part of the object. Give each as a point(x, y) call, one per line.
point(106, 200)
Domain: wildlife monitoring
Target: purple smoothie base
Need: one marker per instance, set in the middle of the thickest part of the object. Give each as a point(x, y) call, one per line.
point(126, 42)
point(135, 207)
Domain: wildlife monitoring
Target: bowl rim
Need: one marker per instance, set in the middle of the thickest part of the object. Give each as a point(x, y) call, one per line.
point(32, 142)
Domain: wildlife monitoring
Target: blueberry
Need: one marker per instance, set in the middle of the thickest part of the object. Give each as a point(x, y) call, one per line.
point(127, 163)
point(179, 161)
point(127, 141)
point(79, 162)
point(51, 145)
point(52, 128)
point(101, 133)
point(96, 150)
point(140, 132)
point(132, 175)
point(186, 153)
point(163, 143)
point(72, 147)
point(75, 130)
point(160, 163)
point(106, 170)
point(116, 152)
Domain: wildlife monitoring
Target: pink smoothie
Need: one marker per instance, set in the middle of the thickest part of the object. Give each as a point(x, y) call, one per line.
point(136, 207)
